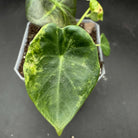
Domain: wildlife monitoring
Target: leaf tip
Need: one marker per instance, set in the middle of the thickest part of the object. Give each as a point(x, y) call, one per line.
point(59, 131)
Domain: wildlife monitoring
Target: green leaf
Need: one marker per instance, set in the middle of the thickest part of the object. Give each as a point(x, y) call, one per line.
point(96, 13)
point(61, 68)
point(41, 12)
point(105, 45)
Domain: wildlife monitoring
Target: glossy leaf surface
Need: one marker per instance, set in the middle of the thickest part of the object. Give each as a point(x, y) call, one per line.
point(96, 13)
point(105, 45)
point(61, 69)
point(41, 12)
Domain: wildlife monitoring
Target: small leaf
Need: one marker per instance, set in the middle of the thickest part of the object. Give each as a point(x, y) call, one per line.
point(41, 12)
point(61, 68)
point(96, 13)
point(105, 45)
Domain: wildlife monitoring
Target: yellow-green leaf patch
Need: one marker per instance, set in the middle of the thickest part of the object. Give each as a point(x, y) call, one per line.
point(96, 9)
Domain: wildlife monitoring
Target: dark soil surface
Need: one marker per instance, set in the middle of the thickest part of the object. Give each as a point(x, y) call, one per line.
point(33, 29)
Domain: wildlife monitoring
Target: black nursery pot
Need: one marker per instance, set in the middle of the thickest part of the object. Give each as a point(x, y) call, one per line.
point(87, 24)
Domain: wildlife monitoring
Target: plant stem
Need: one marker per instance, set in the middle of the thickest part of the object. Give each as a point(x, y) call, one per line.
point(84, 15)
point(98, 45)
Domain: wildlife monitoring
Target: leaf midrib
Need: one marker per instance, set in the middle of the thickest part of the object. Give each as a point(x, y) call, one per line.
point(56, 4)
point(58, 84)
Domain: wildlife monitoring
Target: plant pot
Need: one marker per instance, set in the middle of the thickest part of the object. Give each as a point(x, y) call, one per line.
point(89, 25)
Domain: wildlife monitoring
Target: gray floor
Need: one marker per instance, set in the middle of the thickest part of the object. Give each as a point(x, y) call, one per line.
point(111, 111)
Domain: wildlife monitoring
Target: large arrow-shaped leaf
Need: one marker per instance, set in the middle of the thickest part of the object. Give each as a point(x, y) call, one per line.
point(41, 12)
point(61, 69)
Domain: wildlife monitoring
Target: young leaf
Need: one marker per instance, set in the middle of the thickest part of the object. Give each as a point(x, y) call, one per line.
point(105, 45)
point(41, 12)
point(96, 13)
point(61, 68)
